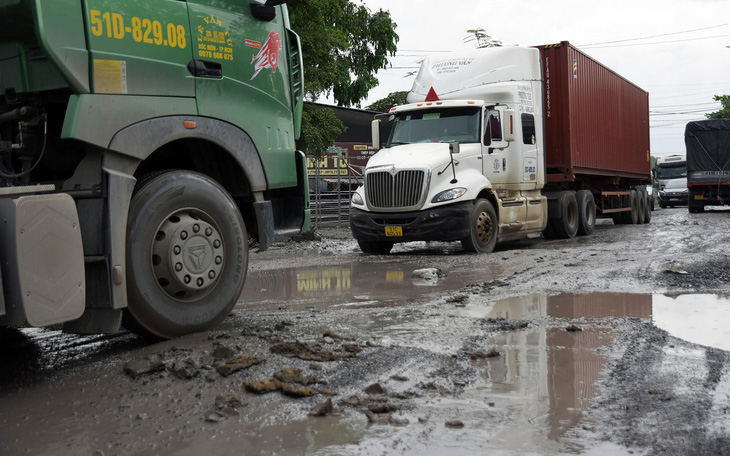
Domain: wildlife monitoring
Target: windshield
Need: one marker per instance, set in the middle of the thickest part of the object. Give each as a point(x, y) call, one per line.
point(675, 184)
point(436, 125)
point(671, 172)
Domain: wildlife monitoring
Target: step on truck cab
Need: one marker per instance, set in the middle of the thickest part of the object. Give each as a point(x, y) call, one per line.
point(143, 145)
point(504, 143)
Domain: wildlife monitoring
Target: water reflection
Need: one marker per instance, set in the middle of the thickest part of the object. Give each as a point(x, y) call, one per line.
point(547, 375)
point(360, 281)
point(697, 318)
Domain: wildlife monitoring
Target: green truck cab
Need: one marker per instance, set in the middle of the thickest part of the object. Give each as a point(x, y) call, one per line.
point(143, 147)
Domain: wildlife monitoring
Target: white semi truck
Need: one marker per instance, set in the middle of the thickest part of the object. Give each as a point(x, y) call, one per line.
point(504, 143)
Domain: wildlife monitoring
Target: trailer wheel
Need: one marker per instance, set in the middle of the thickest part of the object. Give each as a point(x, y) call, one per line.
point(694, 207)
point(586, 212)
point(648, 206)
point(187, 255)
point(632, 216)
point(375, 247)
point(640, 207)
point(567, 225)
point(483, 228)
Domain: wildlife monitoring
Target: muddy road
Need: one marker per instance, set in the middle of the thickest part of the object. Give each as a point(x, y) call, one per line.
point(611, 344)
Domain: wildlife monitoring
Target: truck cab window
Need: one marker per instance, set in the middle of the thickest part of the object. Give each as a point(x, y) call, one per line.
point(436, 125)
point(494, 127)
point(528, 129)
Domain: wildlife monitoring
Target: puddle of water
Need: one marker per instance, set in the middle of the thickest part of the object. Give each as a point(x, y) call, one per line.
point(527, 400)
point(697, 318)
point(359, 282)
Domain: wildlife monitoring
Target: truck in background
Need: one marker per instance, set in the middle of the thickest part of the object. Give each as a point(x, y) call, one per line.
point(142, 145)
point(708, 163)
point(504, 143)
point(669, 168)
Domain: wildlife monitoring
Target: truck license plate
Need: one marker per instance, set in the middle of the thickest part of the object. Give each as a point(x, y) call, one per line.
point(699, 197)
point(393, 231)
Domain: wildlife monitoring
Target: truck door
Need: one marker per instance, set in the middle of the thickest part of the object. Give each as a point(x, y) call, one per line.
point(242, 75)
point(139, 47)
point(502, 165)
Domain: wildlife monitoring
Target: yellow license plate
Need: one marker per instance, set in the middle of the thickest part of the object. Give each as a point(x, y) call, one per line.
point(699, 197)
point(393, 231)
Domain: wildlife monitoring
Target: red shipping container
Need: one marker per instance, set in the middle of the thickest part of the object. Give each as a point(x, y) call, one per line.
point(596, 121)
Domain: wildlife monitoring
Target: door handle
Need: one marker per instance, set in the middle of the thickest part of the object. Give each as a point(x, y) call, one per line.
point(205, 69)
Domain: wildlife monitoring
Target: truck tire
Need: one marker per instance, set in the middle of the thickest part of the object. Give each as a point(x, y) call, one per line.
point(187, 255)
point(694, 207)
point(375, 247)
point(632, 216)
point(566, 226)
point(640, 206)
point(586, 212)
point(648, 207)
point(483, 228)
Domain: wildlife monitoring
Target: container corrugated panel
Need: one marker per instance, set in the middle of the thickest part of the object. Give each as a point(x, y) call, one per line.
point(596, 121)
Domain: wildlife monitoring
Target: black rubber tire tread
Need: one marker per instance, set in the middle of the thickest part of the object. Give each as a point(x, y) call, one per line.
point(693, 207)
point(648, 207)
point(483, 219)
point(549, 231)
point(375, 247)
point(566, 226)
point(640, 205)
point(632, 216)
point(586, 212)
point(152, 312)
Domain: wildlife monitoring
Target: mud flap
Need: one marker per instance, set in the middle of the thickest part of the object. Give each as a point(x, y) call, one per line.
point(42, 260)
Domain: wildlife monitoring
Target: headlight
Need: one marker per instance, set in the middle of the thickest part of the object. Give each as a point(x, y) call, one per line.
point(357, 200)
point(448, 195)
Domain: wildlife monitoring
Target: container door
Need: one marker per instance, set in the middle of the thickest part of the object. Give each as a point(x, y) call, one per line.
point(242, 77)
point(138, 47)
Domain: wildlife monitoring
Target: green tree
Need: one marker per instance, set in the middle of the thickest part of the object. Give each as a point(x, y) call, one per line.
point(723, 113)
point(343, 45)
point(481, 39)
point(393, 99)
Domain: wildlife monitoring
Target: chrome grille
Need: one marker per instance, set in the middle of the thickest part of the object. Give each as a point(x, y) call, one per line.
point(402, 189)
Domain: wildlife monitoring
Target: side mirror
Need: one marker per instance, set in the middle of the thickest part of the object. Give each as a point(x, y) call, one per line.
point(375, 127)
point(509, 125)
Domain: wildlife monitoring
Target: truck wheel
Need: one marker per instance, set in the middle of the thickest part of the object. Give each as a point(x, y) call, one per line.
point(375, 247)
point(648, 207)
point(483, 228)
point(567, 225)
point(640, 207)
point(632, 216)
point(187, 255)
point(693, 207)
point(586, 212)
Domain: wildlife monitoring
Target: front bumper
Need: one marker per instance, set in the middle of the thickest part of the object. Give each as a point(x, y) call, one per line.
point(445, 223)
point(673, 199)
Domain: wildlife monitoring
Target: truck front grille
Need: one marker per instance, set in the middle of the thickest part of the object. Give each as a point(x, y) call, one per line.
point(390, 188)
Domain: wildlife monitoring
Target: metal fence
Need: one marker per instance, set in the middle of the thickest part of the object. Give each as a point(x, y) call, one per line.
point(330, 189)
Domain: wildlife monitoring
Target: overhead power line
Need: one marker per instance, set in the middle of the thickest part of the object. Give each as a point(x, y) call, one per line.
point(655, 36)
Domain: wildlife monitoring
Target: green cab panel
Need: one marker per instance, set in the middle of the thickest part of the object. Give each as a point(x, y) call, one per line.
point(253, 87)
point(42, 46)
point(140, 47)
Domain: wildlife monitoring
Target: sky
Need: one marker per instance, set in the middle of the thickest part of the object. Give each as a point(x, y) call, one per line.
point(677, 50)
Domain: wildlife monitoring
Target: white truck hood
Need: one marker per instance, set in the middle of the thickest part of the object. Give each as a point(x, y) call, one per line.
point(431, 154)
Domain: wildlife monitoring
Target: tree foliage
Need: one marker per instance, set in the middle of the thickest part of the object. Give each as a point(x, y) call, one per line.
point(320, 127)
point(343, 46)
point(724, 112)
point(481, 39)
point(393, 99)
